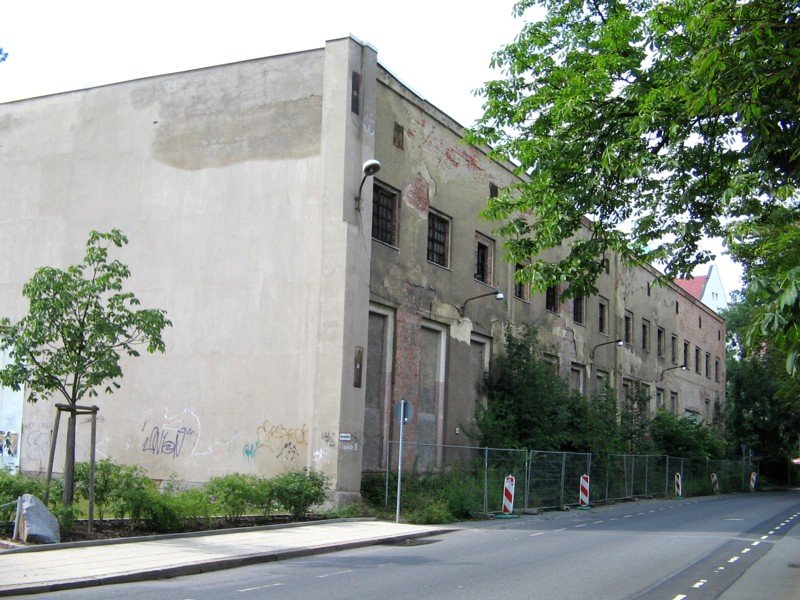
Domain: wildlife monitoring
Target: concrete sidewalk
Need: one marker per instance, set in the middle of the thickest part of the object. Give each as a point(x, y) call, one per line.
point(84, 564)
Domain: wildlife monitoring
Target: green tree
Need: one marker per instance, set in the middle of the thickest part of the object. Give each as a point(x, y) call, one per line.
point(683, 437)
point(662, 121)
point(763, 400)
point(79, 323)
point(528, 404)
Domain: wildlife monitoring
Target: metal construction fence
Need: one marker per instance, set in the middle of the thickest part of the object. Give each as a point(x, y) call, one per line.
point(475, 476)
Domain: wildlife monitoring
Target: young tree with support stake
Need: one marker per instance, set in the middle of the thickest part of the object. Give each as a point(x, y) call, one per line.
point(79, 323)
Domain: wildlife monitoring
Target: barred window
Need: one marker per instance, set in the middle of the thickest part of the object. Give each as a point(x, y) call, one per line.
point(438, 239)
point(384, 215)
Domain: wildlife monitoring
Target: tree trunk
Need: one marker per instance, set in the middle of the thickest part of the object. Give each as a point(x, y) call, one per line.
point(69, 461)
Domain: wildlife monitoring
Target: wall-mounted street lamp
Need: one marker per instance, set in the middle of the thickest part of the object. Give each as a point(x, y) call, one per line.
point(498, 294)
point(619, 342)
point(681, 367)
point(369, 169)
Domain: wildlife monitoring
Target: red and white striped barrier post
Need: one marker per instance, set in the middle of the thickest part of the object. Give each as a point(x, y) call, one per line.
point(753, 479)
point(584, 491)
point(508, 495)
point(715, 483)
point(678, 485)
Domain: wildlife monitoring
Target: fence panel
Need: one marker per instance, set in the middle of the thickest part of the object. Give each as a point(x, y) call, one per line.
point(470, 480)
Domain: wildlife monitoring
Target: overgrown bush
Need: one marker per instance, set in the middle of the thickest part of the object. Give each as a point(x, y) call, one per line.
point(15, 484)
point(107, 474)
point(298, 491)
point(431, 513)
point(132, 494)
point(193, 505)
point(233, 494)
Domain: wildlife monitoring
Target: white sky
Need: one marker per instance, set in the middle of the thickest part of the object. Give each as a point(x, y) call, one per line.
point(439, 48)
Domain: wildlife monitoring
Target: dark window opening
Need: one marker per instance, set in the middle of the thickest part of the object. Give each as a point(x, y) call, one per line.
point(551, 299)
point(482, 262)
point(602, 321)
point(438, 239)
point(628, 328)
point(355, 93)
point(384, 215)
point(494, 191)
point(577, 309)
point(521, 290)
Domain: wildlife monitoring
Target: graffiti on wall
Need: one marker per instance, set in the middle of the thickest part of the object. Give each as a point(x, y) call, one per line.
point(280, 441)
point(9, 443)
point(37, 442)
point(174, 435)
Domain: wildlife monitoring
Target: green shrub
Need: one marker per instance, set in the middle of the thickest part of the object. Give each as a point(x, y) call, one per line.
point(233, 495)
point(132, 493)
point(373, 489)
point(431, 513)
point(193, 505)
point(107, 478)
point(66, 516)
point(15, 484)
point(264, 495)
point(162, 512)
point(298, 491)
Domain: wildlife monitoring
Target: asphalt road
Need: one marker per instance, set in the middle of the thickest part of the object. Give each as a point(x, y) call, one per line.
point(665, 549)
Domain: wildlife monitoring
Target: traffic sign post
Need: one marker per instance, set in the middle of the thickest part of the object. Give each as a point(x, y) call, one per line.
point(402, 412)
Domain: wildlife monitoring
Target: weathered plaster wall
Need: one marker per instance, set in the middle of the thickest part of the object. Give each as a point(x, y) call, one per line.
point(222, 179)
point(435, 172)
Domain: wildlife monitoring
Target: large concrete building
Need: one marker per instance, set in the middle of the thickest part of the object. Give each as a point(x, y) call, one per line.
point(302, 311)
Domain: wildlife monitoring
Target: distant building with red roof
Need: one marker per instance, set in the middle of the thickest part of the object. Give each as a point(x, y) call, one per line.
point(707, 288)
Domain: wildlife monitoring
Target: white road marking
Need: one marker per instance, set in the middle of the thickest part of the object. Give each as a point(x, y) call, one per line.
point(700, 583)
point(537, 533)
point(335, 573)
point(745, 551)
point(763, 537)
point(584, 525)
point(562, 529)
point(718, 569)
point(733, 519)
point(260, 587)
point(771, 532)
point(598, 522)
point(627, 516)
point(733, 560)
point(756, 543)
point(679, 597)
